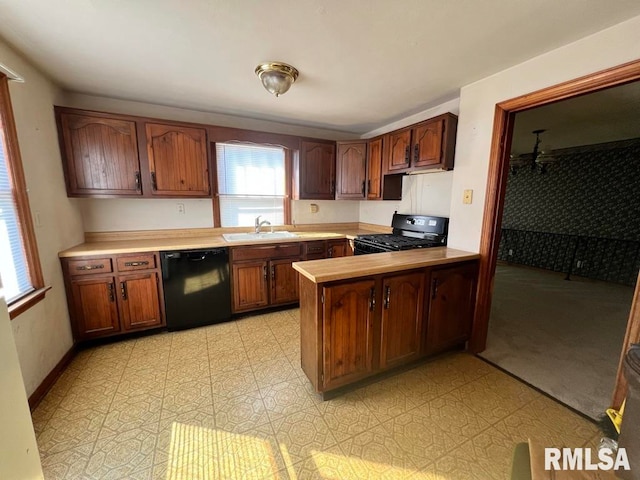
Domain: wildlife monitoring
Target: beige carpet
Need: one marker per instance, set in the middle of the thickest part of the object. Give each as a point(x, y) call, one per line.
point(563, 337)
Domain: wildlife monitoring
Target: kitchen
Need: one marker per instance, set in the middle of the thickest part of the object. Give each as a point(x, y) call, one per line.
point(41, 344)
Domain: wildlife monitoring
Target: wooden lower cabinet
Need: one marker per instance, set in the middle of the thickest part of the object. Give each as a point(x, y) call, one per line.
point(250, 290)
point(94, 306)
point(284, 282)
point(451, 306)
point(113, 295)
point(337, 248)
point(402, 311)
point(356, 328)
point(347, 331)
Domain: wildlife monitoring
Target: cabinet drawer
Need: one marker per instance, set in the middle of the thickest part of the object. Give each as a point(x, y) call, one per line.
point(90, 266)
point(143, 261)
point(315, 250)
point(267, 252)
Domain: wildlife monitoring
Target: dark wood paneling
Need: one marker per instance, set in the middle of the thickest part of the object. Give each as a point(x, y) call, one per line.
point(310, 331)
point(49, 381)
point(351, 164)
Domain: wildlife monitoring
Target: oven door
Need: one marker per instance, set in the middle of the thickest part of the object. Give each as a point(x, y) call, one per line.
point(363, 248)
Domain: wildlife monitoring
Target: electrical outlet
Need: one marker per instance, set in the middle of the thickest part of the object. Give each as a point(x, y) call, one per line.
point(511, 252)
point(467, 197)
point(579, 263)
point(180, 207)
point(313, 208)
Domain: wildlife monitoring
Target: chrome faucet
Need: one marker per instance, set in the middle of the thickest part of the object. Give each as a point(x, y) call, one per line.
point(259, 223)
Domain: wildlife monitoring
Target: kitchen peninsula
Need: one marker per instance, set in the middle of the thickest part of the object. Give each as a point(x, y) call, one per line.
point(363, 315)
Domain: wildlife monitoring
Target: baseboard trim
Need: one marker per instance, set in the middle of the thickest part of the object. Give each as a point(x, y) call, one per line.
point(36, 397)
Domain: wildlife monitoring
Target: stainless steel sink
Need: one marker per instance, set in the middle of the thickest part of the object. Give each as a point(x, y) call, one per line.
point(243, 237)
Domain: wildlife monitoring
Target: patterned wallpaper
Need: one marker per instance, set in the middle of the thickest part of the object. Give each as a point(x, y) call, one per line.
point(592, 192)
point(550, 220)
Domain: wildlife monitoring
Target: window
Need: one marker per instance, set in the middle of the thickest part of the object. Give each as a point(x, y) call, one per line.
point(19, 264)
point(251, 181)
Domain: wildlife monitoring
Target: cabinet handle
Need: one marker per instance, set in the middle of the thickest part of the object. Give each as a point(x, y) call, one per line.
point(434, 288)
point(333, 187)
point(363, 188)
point(372, 299)
point(123, 290)
point(416, 152)
point(369, 186)
point(407, 154)
point(91, 267)
point(112, 297)
point(330, 252)
point(273, 272)
point(264, 270)
point(135, 264)
point(138, 187)
point(386, 297)
point(154, 183)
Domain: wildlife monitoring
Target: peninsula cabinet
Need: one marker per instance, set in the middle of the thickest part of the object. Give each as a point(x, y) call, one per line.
point(451, 306)
point(425, 145)
point(355, 328)
point(315, 171)
point(113, 294)
point(351, 166)
point(108, 155)
point(263, 276)
point(319, 249)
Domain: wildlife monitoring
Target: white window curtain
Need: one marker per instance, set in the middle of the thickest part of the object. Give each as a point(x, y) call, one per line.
point(251, 182)
point(14, 270)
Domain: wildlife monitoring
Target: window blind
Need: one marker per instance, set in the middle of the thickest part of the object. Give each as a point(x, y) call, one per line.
point(14, 269)
point(251, 182)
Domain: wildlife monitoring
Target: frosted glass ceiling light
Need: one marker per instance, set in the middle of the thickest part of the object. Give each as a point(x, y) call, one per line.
point(276, 77)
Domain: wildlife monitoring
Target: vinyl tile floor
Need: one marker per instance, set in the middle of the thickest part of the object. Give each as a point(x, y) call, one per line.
point(231, 401)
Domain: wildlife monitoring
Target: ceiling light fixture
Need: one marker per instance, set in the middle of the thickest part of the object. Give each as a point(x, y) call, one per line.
point(276, 77)
point(537, 160)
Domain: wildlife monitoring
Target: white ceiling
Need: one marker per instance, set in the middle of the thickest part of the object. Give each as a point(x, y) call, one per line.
point(605, 116)
point(363, 63)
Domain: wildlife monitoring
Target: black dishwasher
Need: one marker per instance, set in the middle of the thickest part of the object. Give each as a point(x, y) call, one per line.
point(196, 287)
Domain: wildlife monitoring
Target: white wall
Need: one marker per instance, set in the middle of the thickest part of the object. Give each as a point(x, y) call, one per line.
point(19, 456)
point(608, 48)
point(329, 211)
point(427, 193)
point(42, 334)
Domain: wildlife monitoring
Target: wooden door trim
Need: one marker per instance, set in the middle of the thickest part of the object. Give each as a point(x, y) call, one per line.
point(496, 188)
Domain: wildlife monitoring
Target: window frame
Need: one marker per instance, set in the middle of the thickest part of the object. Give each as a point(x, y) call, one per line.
point(18, 182)
point(288, 155)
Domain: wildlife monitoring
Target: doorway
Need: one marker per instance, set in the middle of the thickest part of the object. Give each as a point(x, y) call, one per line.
point(496, 190)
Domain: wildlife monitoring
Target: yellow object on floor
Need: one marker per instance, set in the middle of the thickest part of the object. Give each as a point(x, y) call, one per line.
point(616, 416)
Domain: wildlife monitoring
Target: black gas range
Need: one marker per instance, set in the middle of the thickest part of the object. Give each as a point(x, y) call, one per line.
point(409, 231)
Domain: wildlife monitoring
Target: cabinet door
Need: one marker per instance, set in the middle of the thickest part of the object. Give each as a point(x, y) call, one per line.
point(347, 332)
point(250, 285)
point(94, 305)
point(336, 248)
point(427, 144)
point(402, 311)
point(351, 165)
point(139, 300)
point(374, 170)
point(317, 171)
point(100, 155)
point(284, 281)
point(453, 295)
point(178, 160)
point(398, 151)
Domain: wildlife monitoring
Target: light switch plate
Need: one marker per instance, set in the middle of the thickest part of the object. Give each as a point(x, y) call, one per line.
point(467, 197)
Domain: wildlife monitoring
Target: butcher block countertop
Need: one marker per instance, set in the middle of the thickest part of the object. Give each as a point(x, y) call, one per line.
point(343, 268)
point(159, 241)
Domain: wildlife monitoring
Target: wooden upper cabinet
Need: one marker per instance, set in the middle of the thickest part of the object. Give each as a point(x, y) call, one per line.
point(427, 144)
point(347, 332)
point(351, 164)
point(398, 151)
point(316, 171)
point(374, 169)
point(178, 161)
point(100, 155)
